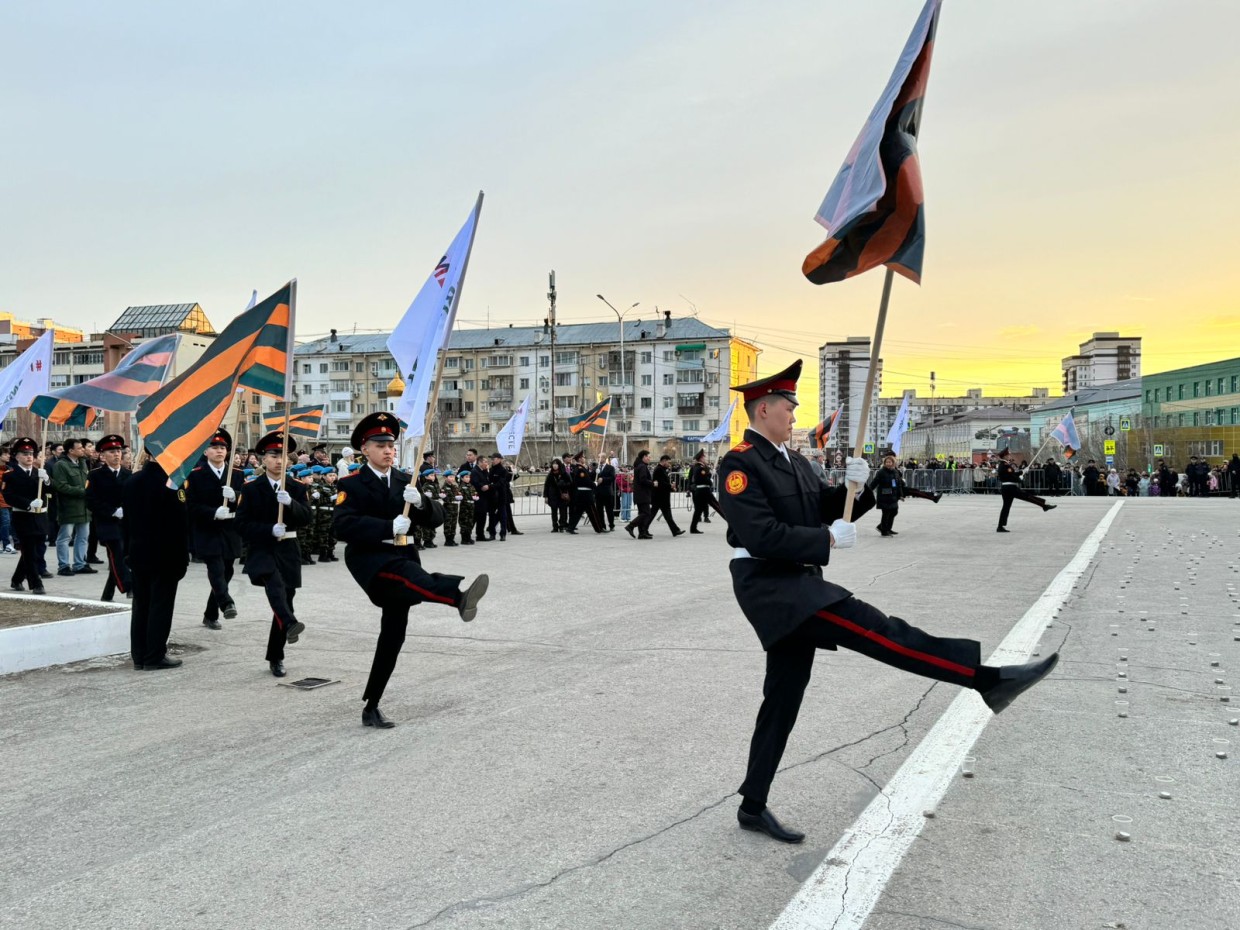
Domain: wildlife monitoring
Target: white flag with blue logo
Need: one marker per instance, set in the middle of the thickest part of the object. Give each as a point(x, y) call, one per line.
point(895, 435)
point(508, 439)
point(28, 376)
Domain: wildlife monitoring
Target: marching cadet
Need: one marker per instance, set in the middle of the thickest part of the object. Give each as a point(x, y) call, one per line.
point(155, 527)
point(20, 486)
point(451, 497)
point(428, 484)
point(783, 526)
point(1009, 485)
point(104, 489)
point(889, 489)
point(211, 496)
point(469, 495)
point(325, 515)
point(273, 562)
point(702, 492)
point(370, 520)
point(583, 495)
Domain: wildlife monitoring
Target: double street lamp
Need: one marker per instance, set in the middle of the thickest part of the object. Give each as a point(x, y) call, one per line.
point(624, 423)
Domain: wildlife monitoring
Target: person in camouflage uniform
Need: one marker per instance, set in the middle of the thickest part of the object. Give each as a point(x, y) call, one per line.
point(307, 536)
point(469, 494)
point(451, 508)
point(428, 484)
point(327, 511)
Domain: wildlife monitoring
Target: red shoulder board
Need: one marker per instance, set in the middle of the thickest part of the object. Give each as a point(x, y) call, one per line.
point(196, 468)
point(742, 447)
point(352, 474)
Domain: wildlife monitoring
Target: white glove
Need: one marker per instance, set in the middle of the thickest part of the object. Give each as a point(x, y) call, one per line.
point(222, 513)
point(400, 525)
point(844, 534)
point(38, 506)
point(119, 513)
point(412, 496)
point(314, 495)
point(43, 476)
point(278, 531)
point(856, 471)
point(229, 494)
point(283, 497)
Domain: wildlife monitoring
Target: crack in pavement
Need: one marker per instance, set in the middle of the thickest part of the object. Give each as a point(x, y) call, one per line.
point(892, 572)
point(938, 920)
point(486, 900)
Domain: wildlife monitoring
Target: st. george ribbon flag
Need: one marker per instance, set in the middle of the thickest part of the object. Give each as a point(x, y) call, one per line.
point(823, 432)
point(1066, 433)
point(508, 439)
point(27, 376)
point(899, 426)
point(424, 329)
point(137, 377)
point(593, 420)
point(304, 422)
point(873, 212)
point(724, 429)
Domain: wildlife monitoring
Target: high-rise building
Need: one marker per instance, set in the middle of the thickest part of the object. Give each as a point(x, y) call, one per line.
point(843, 368)
point(1103, 359)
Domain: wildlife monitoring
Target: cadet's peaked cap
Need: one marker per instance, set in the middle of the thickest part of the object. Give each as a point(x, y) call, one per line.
point(24, 444)
point(321, 447)
point(784, 384)
point(109, 442)
point(274, 442)
point(221, 438)
point(380, 427)
point(1004, 453)
point(701, 455)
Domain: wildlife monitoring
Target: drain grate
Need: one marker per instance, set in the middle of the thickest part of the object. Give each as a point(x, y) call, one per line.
point(309, 684)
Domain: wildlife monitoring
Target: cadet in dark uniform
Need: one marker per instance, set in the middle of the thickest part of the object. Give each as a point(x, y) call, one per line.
point(662, 495)
point(20, 486)
point(1009, 485)
point(583, 495)
point(104, 491)
point(702, 492)
point(605, 494)
point(369, 518)
point(784, 525)
point(212, 516)
point(155, 527)
point(274, 561)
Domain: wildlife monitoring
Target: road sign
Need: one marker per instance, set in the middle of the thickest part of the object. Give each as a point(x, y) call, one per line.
point(1108, 447)
point(1110, 460)
point(1110, 430)
point(1158, 448)
point(1125, 424)
point(869, 448)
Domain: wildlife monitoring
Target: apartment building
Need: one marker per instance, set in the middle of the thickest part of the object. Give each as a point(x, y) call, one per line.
point(923, 409)
point(1104, 359)
point(843, 368)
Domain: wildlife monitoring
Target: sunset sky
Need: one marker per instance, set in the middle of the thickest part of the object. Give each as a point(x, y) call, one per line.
point(1079, 159)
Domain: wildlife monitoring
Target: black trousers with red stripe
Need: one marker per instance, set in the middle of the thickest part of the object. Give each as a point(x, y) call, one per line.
point(280, 597)
point(399, 587)
point(118, 572)
point(1013, 492)
point(855, 625)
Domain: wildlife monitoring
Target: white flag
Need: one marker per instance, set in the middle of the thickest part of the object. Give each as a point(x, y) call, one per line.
point(508, 439)
point(28, 376)
point(724, 429)
point(423, 330)
point(899, 426)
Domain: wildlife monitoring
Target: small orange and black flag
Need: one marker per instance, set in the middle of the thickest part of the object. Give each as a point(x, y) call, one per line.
point(823, 432)
point(593, 420)
point(874, 212)
point(302, 421)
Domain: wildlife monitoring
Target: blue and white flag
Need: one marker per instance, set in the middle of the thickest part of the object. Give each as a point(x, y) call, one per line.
point(423, 330)
point(28, 376)
point(899, 426)
point(724, 429)
point(1065, 432)
point(508, 439)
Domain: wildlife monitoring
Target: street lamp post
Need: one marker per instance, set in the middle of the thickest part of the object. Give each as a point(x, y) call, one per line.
point(624, 423)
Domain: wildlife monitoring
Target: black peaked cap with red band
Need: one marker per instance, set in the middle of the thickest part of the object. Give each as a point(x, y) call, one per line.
point(221, 437)
point(783, 383)
point(24, 444)
point(380, 426)
point(109, 442)
point(274, 442)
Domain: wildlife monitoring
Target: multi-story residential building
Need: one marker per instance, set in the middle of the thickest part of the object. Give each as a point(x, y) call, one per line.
point(970, 436)
point(924, 409)
point(1104, 359)
point(1110, 413)
point(76, 358)
point(1193, 411)
point(843, 368)
point(672, 383)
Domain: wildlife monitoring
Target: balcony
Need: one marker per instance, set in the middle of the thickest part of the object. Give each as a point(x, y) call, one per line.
point(617, 388)
point(499, 413)
point(691, 364)
point(500, 394)
point(449, 394)
point(695, 410)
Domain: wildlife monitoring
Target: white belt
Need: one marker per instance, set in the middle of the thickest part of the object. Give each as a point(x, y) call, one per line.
point(1014, 483)
point(741, 553)
point(289, 534)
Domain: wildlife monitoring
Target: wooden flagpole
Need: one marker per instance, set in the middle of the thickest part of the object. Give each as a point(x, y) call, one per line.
point(871, 375)
point(288, 388)
point(236, 428)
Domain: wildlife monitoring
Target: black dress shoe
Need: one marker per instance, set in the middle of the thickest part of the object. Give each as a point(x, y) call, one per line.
point(766, 823)
point(38, 590)
point(467, 542)
point(84, 570)
point(94, 561)
point(1047, 507)
point(47, 575)
point(571, 531)
point(373, 717)
point(645, 536)
point(64, 573)
point(17, 587)
point(893, 532)
point(630, 529)
point(1016, 679)
point(516, 533)
point(936, 498)
point(165, 662)
point(137, 667)
point(468, 607)
point(294, 631)
point(230, 612)
point(449, 543)
point(1003, 529)
point(211, 624)
point(430, 545)
point(277, 669)
point(676, 533)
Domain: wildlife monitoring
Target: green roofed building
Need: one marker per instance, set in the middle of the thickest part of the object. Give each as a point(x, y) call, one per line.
point(1194, 411)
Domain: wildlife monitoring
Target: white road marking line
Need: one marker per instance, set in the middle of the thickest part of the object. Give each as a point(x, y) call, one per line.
point(847, 885)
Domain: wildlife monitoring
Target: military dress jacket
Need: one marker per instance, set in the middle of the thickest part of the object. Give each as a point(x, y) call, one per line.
point(778, 511)
point(20, 490)
point(204, 495)
point(257, 509)
point(365, 509)
point(154, 526)
point(104, 493)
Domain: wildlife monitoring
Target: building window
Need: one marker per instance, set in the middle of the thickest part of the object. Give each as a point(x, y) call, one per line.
point(565, 378)
point(452, 361)
point(1196, 418)
point(1209, 415)
point(323, 388)
point(340, 406)
point(1209, 388)
point(469, 384)
point(645, 426)
point(343, 429)
point(713, 402)
point(468, 406)
point(484, 428)
point(647, 358)
point(712, 424)
point(669, 355)
point(544, 404)
point(486, 382)
point(305, 369)
point(669, 378)
point(667, 426)
point(467, 364)
point(524, 384)
point(646, 403)
point(322, 368)
point(1181, 392)
point(1147, 396)
point(1179, 419)
point(544, 361)
point(691, 426)
point(1235, 416)
point(1235, 383)
point(525, 361)
point(647, 380)
point(669, 402)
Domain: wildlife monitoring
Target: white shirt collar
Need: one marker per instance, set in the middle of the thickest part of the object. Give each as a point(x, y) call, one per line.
point(381, 474)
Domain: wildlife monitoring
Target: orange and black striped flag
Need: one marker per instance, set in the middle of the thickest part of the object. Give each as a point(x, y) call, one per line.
point(874, 212)
point(593, 420)
point(304, 422)
point(822, 433)
point(120, 390)
point(254, 352)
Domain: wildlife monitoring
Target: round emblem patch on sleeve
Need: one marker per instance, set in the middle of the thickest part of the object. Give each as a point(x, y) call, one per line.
point(340, 496)
point(737, 482)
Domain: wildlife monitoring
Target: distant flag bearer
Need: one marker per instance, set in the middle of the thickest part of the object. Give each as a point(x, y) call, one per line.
point(104, 498)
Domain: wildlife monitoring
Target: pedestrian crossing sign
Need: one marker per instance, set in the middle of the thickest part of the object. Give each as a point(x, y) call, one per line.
point(1108, 447)
point(1158, 448)
point(869, 448)
point(1125, 424)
